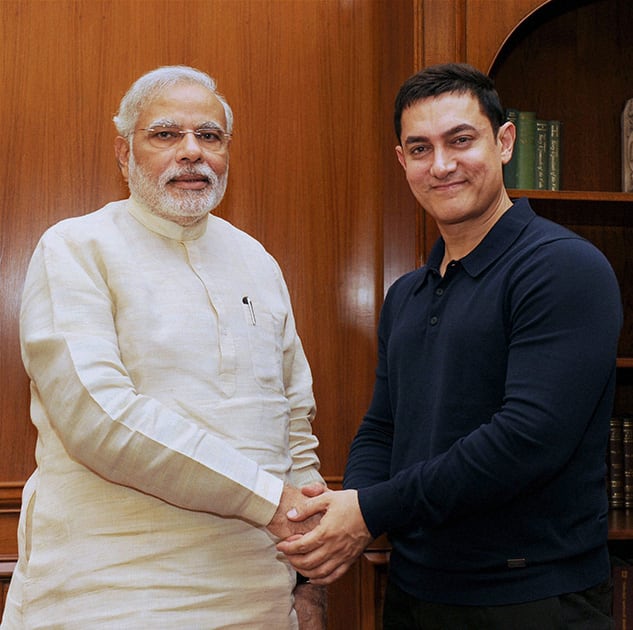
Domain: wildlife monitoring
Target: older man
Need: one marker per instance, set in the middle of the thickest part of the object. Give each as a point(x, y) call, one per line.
point(170, 391)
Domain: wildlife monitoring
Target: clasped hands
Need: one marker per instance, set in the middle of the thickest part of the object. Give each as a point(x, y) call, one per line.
point(322, 531)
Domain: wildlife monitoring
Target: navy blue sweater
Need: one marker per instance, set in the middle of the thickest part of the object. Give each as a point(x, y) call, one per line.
point(482, 454)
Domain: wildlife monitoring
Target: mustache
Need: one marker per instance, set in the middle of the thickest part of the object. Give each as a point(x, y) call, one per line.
point(200, 170)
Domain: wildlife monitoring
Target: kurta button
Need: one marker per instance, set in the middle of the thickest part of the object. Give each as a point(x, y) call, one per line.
point(434, 320)
point(439, 291)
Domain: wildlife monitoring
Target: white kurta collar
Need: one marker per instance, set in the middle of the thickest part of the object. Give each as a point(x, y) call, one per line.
point(164, 227)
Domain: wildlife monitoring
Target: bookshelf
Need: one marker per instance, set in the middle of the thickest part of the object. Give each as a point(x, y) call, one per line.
point(573, 62)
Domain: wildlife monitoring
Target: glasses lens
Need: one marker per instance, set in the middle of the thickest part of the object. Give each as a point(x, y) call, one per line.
point(210, 138)
point(164, 137)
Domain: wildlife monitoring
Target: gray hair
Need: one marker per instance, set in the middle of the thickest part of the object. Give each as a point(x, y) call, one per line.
point(149, 85)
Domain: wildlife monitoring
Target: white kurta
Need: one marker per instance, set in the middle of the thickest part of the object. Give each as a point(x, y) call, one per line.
point(172, 400)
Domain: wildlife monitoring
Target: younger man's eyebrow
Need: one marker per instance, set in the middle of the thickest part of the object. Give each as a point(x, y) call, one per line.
point(415, 139)
point(447, 134)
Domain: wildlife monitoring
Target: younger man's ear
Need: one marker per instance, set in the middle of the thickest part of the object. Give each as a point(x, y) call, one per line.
point(507, 136)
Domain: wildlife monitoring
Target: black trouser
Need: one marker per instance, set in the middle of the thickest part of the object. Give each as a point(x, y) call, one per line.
point(589, 610)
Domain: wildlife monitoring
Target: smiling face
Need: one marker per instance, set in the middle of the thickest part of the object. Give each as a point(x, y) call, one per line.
point(185, 182)
point(453, 161)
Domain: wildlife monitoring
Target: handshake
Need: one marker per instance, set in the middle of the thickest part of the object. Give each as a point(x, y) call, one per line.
point(322, 531)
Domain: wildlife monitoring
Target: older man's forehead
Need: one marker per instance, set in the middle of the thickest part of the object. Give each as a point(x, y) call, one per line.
point(182, 103)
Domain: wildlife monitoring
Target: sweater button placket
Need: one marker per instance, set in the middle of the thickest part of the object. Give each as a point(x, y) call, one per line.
point(434, 319)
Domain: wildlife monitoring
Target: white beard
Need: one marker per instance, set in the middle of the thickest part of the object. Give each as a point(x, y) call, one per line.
point(184, 207)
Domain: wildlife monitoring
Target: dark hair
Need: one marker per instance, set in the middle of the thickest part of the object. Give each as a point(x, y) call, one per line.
point(450, 77)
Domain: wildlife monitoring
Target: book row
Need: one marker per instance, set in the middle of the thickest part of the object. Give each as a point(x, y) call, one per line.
point(535, 163)
point(620, 462)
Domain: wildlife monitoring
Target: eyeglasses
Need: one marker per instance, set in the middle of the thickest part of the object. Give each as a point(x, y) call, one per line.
point(167, 137)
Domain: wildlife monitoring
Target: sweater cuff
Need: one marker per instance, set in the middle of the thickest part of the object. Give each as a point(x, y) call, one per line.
point(381, 508)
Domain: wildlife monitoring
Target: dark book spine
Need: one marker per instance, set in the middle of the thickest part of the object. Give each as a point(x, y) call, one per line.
point(526, 136)
point(627, 146)
point(620, 577)
point(627, 453)
point(616, 464)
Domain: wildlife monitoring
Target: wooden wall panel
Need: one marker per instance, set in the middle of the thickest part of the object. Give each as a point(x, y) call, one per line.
point(397, 40)
point(441, 36)
point(313, 172)
point(307, 164)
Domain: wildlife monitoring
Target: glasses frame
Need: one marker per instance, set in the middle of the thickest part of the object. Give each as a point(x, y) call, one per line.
point(226, 136)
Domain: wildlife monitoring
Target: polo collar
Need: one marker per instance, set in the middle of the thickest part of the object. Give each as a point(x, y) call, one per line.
point(496, 242)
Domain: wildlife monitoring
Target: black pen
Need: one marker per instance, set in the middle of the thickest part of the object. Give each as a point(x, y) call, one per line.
point(246, 300)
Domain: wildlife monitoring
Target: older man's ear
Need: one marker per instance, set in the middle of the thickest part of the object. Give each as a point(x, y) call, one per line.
point(122, 153)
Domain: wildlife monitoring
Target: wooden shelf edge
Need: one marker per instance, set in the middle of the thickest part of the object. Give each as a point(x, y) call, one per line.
point(573, 195)
point(621, 525)
point(625, 362)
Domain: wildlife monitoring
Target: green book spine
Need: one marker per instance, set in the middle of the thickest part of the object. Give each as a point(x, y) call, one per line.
point(526, 153)
point(554, 131)
point(541, 160)
point(510, 169)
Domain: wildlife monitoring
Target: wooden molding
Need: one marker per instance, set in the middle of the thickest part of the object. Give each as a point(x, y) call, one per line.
point(11, 496)
point(10, 503)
